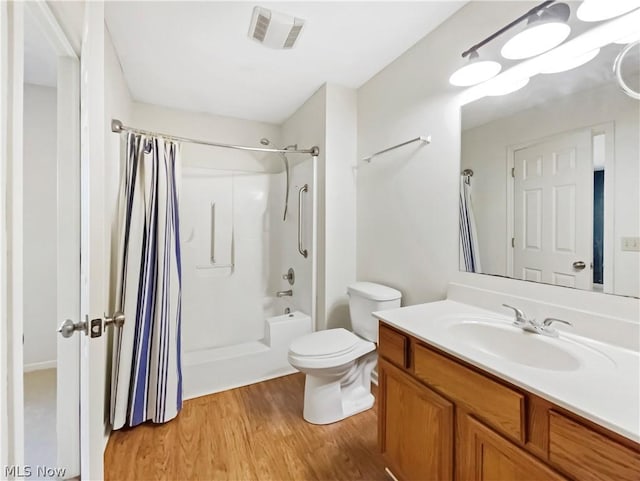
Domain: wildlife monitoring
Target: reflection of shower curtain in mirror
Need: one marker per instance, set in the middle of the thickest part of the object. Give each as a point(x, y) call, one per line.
point(146, 374)
point(469, 250)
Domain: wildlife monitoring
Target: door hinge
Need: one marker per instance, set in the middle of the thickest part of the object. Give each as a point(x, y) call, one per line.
point(513, 242)
point(513, 172)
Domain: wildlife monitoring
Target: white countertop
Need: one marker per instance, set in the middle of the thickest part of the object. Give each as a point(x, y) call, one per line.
point(608, 394)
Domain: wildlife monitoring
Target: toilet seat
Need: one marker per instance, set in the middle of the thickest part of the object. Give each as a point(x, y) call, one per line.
point(328, 348)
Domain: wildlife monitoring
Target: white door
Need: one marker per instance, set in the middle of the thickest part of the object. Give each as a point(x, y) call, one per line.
point(81, 399)
point(83, 201)
point(67, 235)
point(553, 183)
point(68, 264)
point(95, 227)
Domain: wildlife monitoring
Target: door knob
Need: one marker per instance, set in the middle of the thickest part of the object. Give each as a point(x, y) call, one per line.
point(579, 265)
point(68, 327)
point(116, 320)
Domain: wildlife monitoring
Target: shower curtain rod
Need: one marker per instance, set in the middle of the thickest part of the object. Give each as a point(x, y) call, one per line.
point(118, 127)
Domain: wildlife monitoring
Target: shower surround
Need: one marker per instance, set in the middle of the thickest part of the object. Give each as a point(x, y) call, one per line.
point(235, 250)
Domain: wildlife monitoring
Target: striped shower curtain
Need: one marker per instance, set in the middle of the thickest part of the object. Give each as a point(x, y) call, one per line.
point(469, 249)
point(146, 364)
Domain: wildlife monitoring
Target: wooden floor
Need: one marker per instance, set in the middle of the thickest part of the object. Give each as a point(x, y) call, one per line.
point(251, 433)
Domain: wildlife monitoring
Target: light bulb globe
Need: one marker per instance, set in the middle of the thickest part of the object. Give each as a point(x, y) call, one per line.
point(474, 73)
point(536, 39)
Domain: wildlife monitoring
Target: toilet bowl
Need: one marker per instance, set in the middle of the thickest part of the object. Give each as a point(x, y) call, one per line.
point(337, 362)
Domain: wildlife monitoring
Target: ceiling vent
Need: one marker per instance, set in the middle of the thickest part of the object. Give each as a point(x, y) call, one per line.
point(274, 29)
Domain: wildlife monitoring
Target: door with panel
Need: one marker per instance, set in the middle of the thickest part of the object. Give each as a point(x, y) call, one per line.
point(415, 427)
point(553, 198)
point(483, 454)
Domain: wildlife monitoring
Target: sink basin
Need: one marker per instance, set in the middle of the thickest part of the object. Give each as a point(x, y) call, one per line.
point(503, 340)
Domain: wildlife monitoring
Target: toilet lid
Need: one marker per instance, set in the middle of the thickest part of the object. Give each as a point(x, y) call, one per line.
point(324, 343)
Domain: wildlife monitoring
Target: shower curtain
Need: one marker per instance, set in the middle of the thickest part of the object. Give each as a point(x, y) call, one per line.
point(146, 363)
point(469, 250)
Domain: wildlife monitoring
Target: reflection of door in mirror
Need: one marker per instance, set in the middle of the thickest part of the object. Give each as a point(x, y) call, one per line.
point(553, 226)
point(561, 133)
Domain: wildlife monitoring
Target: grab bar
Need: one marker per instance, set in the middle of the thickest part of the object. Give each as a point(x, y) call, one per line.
point(301, 191)
point(213, 233)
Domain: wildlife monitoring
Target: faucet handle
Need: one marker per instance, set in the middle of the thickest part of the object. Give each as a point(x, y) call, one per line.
point(520, 315)
point(290, 276)
point(550, 320)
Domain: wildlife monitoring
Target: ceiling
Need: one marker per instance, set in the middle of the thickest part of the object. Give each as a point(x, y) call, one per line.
point(40, 60)
point(197, 56)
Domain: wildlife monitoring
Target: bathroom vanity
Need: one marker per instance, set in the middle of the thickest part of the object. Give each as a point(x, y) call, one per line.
point(452, 407)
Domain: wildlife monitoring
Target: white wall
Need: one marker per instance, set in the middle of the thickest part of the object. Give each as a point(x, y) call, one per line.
point(484, 149)
point(40, 200)
point(306, 127)
point(328, 119)
point(70, 16)
point(407, 207)
point(340, 202)
point(118, 104)
point(228, 130)
point(407, 200)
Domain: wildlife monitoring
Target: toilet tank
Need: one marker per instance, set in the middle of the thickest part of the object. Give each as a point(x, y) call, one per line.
point(368, 297)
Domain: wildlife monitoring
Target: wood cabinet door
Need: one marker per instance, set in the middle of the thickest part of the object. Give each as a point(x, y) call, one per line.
point(415, 427)
point(484, 455)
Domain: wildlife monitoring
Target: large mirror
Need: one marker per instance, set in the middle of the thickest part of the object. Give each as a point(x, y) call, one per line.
point(550, 180)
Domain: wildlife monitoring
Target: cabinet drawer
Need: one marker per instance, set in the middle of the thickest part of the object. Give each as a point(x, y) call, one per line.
point(393, 346)
point(491, 401)
point(588, 455)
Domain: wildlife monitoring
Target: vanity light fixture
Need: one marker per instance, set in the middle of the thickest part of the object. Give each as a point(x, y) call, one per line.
point(475, 71)
point(560, 64)
point(546, 29)
point(597, 37)
point(598, 10)
point(546, 19)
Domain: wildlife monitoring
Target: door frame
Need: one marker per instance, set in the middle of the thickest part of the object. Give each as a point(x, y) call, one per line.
point(11, 236)
point(606, 128)
point(68, 201)
point(11, 79)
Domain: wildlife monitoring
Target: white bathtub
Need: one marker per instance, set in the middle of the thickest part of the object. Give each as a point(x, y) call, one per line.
point(208, 371)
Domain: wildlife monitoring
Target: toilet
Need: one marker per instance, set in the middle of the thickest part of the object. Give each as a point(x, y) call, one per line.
point(337, 362)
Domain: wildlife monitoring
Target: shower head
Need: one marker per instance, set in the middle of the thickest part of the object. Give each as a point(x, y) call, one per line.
point(266, 142)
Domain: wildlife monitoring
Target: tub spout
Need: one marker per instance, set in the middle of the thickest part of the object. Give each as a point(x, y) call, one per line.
point(284, 293)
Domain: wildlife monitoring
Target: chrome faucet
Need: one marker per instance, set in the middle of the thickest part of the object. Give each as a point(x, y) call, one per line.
point(521, 317)
point(284, 293)
point(546, 325)
point(531, 325)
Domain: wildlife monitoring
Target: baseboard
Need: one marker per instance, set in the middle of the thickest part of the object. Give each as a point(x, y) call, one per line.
point(39, 366)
